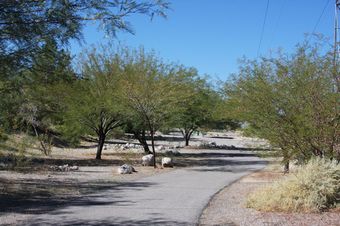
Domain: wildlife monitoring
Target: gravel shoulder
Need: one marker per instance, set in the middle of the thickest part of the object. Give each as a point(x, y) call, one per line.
point(228, 206)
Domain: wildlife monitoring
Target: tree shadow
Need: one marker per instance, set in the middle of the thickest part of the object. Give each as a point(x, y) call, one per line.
point(223, 137)
point(40, 161)
point(231, 148)
point(217, 161)
point(39, 196)
point(158, 221)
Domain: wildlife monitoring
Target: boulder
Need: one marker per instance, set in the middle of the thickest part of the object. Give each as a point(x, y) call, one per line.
point(73, 167)
point(147, 160)
point(167, 162)
point(126, 169)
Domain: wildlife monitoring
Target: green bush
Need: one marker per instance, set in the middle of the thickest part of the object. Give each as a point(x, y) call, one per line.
point(312, 188)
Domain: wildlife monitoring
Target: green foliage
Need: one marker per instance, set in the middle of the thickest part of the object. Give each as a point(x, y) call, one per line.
point(149, 88)
point(314, 187)
point(34, 68)
point(27, 24)
point(93, 106)
point(3, 136)
point(290, 101)
point(199, 102)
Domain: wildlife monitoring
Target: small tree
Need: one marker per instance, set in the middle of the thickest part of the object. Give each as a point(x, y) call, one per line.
point(199, 102)
point(93, 106)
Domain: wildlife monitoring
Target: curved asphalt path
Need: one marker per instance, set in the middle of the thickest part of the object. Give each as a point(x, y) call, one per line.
point(174, 198)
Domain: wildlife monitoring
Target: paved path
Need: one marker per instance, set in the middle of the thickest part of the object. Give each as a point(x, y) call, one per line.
point(174, 198)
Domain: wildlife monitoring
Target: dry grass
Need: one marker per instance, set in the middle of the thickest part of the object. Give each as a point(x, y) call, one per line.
point(312, 188)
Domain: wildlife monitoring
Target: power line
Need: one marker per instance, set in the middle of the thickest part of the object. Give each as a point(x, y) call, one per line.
point(277, 22)
point(319, 19)
point(263, 25)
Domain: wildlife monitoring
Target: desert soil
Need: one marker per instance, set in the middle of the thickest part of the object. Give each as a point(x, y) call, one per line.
point(228, 206)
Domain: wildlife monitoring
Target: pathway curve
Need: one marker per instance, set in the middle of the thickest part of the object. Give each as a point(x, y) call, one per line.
point(174, 198)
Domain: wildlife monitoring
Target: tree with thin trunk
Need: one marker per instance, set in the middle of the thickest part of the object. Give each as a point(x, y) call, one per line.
point(93, 106)
point(291, 102)
point(149, 91)
point(198, 105)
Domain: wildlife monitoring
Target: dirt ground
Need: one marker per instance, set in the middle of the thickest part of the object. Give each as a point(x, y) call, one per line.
point(228, 206)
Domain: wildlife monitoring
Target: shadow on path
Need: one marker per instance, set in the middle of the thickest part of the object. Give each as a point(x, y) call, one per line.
point(114, 222)
point(38, 196)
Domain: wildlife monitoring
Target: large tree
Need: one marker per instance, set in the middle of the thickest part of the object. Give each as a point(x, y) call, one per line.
point(149, 90)
point(292, 102)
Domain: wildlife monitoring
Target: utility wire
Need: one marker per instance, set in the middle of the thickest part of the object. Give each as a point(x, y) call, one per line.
point(319, 19)
point(263, 25)
point(277, 22)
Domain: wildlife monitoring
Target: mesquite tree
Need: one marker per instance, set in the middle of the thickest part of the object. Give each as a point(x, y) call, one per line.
point(199, 102)
point(149, 90)
point(92, 106)
point(292, 102)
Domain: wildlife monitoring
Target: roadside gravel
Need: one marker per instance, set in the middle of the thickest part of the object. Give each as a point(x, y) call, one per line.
point(228, 207)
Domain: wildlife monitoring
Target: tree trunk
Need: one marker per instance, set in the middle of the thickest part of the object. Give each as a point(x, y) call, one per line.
point(142, 140)
point(40, 141)
point(153, 149)
point(187, 136)
point(286, 167)
point(187, 141)
point(101, 142)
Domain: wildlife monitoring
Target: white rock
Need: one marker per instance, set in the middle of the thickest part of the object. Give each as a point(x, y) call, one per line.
point(167, 162)
point(147, 160)
point(126, 169)
point(74, 167)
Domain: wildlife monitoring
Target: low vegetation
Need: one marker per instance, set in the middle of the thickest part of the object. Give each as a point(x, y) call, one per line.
point(314, 187)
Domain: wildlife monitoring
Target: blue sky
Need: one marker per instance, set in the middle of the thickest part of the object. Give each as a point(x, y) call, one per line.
point(211, 35)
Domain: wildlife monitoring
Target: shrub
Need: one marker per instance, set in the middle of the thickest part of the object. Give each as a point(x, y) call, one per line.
point(312, 188)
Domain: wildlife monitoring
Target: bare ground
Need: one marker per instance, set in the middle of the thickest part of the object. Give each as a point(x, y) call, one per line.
point(228, 206)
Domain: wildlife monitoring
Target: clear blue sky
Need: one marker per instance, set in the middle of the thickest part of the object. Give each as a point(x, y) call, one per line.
point(211, 35)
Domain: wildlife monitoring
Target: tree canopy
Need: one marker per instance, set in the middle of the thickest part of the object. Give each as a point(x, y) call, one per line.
point(290, 101)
